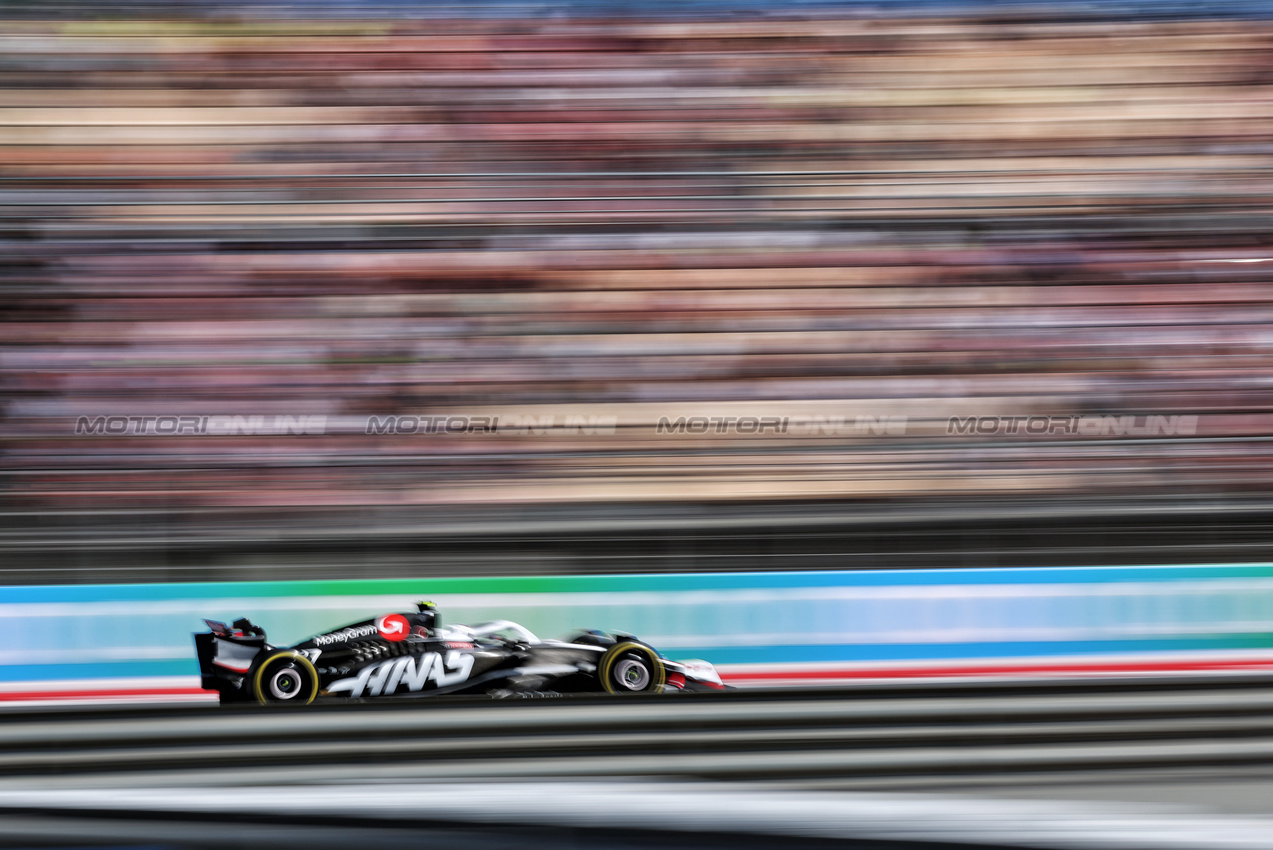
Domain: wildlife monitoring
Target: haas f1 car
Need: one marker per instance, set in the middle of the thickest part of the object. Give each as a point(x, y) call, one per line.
point(398, 656)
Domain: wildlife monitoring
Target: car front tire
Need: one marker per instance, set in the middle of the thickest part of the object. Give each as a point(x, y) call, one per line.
point(631, 668)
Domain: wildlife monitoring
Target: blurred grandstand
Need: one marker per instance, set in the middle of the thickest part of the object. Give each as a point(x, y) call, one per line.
point(873, 224)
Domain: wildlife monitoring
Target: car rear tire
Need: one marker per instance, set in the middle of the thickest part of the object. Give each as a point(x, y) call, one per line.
point(285, 678)
point(631, 668)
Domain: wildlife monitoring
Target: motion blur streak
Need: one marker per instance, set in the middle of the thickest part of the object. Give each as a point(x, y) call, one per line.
point(908, 221)
point(656, 772)
point(596, 811)
point(760, 628)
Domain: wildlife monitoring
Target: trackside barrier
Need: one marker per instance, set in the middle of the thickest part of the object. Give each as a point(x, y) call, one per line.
point(98, 642)
point(878, 737)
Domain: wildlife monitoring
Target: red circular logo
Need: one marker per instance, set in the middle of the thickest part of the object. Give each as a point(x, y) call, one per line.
point(393, 627)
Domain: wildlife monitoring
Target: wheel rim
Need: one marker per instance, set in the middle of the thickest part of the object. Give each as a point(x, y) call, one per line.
point(285, 683)
point(285, 678)
point(632, 674)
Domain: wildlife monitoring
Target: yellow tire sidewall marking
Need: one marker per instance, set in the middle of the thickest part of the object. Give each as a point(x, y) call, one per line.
point(613, 653)
point(301, 660)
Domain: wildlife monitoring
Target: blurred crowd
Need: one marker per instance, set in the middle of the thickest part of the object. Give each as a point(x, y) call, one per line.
point(858, 220)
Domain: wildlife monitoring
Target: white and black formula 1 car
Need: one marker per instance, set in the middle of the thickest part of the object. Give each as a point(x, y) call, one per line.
point(397, 656)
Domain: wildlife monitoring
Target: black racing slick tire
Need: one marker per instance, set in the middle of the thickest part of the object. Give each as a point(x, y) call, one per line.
point(631, 668)
point(285, 678)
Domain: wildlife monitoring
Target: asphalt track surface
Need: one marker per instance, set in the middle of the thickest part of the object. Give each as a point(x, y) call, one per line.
point(1146, 763)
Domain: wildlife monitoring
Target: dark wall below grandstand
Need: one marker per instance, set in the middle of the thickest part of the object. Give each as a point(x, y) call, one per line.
point(625, 538)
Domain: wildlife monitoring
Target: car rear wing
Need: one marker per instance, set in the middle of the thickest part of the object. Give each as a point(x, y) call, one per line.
point(227, 651)
point(243, 627)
